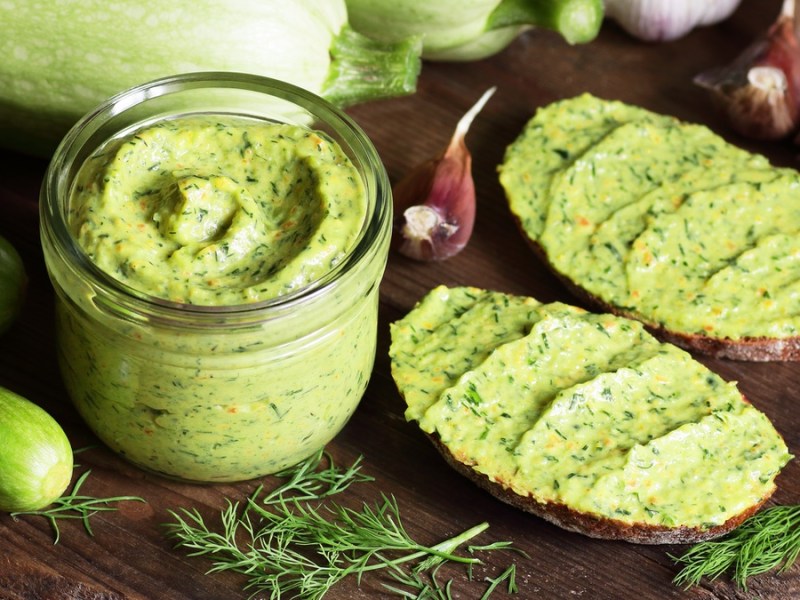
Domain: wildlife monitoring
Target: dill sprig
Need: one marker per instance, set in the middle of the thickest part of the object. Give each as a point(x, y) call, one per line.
point(75, 506)
point(768, 540)
point(307, 481)
point(295, 542)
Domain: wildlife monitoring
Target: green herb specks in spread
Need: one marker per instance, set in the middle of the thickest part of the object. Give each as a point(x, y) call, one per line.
point(659, 218)
point(201, 210)
point(218, 210)
point(582, 409)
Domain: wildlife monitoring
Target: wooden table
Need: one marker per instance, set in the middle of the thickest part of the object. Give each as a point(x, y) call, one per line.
point(129, 555)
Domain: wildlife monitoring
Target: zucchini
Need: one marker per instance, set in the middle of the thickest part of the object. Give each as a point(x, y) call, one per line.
point(466, 30)
point(35, 455)
point(13, 282)
point(61, 59)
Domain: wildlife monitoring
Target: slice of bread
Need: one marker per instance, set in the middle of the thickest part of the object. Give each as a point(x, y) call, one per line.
point(665, 222)
point(583, 419)
point(748, 348)
point(595, 526)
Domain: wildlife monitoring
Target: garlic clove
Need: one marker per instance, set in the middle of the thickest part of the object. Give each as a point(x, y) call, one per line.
point(435, 202)
point(759, 91)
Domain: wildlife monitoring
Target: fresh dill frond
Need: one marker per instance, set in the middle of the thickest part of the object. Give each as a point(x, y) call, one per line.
point(766, 541)
point(414, 586)
point(307, 481)
point(294, 542)
point(74, 506)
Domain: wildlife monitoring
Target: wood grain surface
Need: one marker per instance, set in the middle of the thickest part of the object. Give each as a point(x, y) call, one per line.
point(129, 557)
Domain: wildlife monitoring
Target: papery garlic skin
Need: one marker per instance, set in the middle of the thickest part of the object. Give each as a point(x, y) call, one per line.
point(427, 235)
point(778, 118)
point(758, 107)
point(759, 91)
point(665, 20)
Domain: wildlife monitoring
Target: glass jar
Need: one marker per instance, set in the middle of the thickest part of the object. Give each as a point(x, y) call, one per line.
point(214, 393)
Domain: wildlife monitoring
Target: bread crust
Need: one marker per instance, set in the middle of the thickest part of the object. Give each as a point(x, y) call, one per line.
point(750, 349)
point(591, 525)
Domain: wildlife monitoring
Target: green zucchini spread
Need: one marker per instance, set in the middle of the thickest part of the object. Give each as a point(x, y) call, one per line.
point(660, 218)
point(581, 409)
point(217, 210)
point(204, 210)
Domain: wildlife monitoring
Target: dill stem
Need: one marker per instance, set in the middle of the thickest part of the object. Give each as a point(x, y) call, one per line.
point(443, 550)
point(292, 541)
point(446, 548)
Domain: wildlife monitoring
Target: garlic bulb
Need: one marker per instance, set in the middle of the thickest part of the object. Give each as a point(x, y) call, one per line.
point(664, 20)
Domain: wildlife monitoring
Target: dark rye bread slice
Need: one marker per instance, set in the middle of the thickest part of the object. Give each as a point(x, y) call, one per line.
point(590, 209)
point(751, 349)
point(587, 524)
point(585, 420)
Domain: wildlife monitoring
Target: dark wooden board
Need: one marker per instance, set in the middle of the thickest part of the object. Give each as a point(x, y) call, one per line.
point(128, 556)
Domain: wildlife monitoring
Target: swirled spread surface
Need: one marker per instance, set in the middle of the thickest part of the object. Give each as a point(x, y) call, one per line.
point(215, 210)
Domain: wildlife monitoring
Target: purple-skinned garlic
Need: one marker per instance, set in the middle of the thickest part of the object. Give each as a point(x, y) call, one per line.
point(759, 91)
point(435, 201)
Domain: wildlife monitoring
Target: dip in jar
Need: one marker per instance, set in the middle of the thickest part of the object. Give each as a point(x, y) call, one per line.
point(216, 273)
point(217, 210)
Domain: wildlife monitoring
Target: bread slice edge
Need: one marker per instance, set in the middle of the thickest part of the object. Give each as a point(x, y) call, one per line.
point(591, 525)
point(745, 349)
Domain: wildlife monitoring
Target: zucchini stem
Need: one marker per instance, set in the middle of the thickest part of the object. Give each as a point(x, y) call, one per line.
point(366, 69)
point(578, 21)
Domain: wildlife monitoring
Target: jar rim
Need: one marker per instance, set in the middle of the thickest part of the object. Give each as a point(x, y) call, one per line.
point(81, 138)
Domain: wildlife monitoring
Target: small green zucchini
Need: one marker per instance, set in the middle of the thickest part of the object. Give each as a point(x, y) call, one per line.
point(35, 455)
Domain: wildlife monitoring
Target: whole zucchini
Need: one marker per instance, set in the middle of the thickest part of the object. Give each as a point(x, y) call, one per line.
point(462, 30)
point(61, 59)
point(35, 455)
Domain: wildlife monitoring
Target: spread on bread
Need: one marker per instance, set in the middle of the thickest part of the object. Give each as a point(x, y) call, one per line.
point(583, 418)
point(663, 221)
